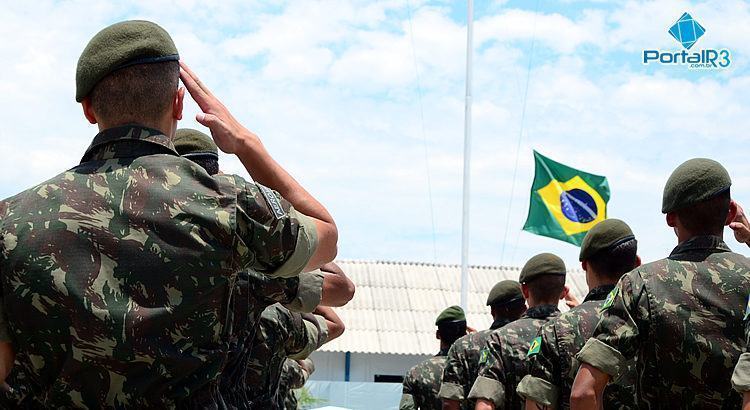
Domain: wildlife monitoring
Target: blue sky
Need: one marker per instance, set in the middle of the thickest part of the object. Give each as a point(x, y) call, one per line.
point(332, 89)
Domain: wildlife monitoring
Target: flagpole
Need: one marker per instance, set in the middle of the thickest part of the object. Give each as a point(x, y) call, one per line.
point(467, 158)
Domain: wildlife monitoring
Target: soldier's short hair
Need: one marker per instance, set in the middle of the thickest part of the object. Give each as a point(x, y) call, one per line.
point(707, 217)
point(451, 331)
point(136, 94)
point(616, 261)
point(210, 164)
point(547, 287)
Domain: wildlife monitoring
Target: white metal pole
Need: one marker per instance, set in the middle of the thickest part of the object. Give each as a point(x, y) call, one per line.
point(467, 158)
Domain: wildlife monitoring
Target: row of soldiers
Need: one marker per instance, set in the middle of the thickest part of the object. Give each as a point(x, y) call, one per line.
point(144, 277)
point(673, 333)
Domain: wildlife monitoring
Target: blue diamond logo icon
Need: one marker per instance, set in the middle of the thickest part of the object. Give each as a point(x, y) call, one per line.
point(687, 31)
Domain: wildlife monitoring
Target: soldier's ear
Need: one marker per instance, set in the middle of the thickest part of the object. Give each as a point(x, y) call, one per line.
point(177, 104)
point(637, 261)
point(88, 110)
point(437, 334)
point(671, 219)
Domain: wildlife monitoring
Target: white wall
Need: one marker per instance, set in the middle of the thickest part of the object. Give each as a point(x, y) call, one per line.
point(330, 366)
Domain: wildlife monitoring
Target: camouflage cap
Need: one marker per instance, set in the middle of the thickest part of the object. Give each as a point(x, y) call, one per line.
point(604, 235)
point(189, 142)
point(540, 265)
point(122, 45)
point(451, 314)
point(505, 292)
point(695, 180)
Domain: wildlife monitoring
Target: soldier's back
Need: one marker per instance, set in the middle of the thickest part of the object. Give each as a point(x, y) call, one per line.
point(695, 305)
point(115, 274)
point(424, 381)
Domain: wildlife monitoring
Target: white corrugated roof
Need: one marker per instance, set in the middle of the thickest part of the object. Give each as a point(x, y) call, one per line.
point(396, 303)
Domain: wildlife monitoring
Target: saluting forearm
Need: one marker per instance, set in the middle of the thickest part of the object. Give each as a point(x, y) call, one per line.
point(265, 170)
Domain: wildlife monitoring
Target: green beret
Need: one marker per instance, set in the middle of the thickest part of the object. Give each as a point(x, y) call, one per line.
point(540, 265)
point(451, 314)
point(696, 180)
point(505, 292)
point(189, 142)
point(122, 45)
point(605, 235)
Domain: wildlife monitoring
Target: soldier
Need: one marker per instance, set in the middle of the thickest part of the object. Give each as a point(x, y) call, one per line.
point(422, 382)
point(506, 304)
point(283, 334)
point(327, 286)
point(502, 362)
point(741, 374)
point(679, 317)
point(116, 273)
point(294, 375)
point(608, 251)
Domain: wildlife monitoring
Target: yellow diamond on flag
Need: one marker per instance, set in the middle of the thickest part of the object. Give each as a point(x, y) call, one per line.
point(574, 204)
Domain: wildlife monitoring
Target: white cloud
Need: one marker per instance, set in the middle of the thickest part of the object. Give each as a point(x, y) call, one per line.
point(331, 88)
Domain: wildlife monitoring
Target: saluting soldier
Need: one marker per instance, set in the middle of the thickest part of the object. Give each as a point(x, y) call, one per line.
point(608, 251)
point(422, 382)
point(503, 360)
point(679, 317)
point(116, 273)
point(506, 304)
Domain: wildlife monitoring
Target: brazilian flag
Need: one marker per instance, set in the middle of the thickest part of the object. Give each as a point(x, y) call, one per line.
point(565, 202)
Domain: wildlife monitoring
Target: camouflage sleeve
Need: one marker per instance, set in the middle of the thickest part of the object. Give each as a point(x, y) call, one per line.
point(4, 332)
point(407, 397)
point(309, 292)
point(625, 316)
point(272, 237)
point(490, 384)
point(293, 374)
point(741, 374)
point(454, 373)
point(543, 381)
point(306, 338)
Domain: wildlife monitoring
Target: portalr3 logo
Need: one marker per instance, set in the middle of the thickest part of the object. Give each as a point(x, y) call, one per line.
point(686, 30)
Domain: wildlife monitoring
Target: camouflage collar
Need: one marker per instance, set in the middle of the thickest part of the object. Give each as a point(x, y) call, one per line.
point(599, 292)
point(128, 141)
point(497, 324)
point(540, 312)
point(699, 245)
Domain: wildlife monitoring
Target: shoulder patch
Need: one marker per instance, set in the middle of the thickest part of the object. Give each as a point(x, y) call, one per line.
point(536, 345)
point(484, 355)
point(609, 300)
point(747, 309)
point(272, 200)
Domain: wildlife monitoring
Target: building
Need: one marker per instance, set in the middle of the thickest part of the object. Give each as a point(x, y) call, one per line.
point(390, 322)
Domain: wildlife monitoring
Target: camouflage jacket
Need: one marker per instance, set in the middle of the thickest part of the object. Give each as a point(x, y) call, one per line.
point(502, 363)
point(681, 318)
point(293, 377)
point(281, 334)
point(422, 384)
point(116, 274)
point(552, 365)
point(462, 365)
point(741, 374)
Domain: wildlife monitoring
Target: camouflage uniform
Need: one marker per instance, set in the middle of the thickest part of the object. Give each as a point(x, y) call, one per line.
point(293, 377)
point(741, 374)
point(281, 334)
point(503, 360)
point(552, 365)
point(117, 273)
point(462, 365)
point(422, 384)
point(254, 293)
point(681, 318)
